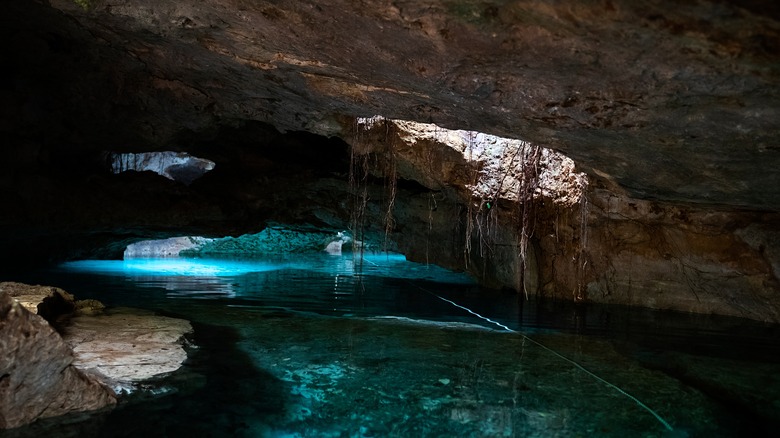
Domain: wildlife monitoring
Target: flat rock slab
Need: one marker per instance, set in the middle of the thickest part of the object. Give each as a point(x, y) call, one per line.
point(37, 376)
point(127, 345)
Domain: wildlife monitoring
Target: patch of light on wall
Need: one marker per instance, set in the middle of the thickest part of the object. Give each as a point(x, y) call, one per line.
point(176, 166)
point(502, 162)
point(170, 247)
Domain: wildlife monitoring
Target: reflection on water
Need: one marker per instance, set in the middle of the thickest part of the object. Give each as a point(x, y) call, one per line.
point(331, 346)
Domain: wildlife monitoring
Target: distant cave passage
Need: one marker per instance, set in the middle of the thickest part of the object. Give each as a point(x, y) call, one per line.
point(176, 166)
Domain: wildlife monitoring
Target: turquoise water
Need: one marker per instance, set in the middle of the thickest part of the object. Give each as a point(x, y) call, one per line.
point(332, 346)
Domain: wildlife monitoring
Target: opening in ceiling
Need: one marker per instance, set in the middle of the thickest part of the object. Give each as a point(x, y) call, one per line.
point(505, 166)
point(176, 166)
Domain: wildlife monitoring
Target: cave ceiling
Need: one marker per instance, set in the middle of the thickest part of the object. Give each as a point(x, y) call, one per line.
point(672, 101)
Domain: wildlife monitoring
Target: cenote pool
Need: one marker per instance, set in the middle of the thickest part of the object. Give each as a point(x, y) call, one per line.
point(331, 346)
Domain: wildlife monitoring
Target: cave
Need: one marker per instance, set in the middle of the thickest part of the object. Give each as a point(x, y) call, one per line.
point(391, 218)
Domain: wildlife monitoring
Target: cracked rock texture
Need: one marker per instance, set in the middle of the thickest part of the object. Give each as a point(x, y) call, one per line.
point(97, 354)
point(37, 376)
point(125, 346)
point(677, 102)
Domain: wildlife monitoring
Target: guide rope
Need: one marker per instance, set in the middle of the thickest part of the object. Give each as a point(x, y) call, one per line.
point(559, 355)
point(571, 361)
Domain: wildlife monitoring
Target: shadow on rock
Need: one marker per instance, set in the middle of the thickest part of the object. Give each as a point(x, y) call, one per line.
point(218, 392)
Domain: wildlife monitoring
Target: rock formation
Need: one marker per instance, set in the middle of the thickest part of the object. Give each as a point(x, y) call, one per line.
point(585, 241)
point(163, 247)
point(126, 346)
point(100, 353)
point(176, 166)
point(37, 375)
point(671, 110)
point(615, 85)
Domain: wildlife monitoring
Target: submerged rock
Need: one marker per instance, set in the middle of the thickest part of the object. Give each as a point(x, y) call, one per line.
point(37, 376)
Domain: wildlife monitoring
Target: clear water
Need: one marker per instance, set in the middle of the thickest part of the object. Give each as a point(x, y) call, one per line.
point(327, 346)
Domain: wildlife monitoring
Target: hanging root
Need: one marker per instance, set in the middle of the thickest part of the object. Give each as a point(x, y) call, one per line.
point(358, 187)
point(529, 182)
point(470, 206)
point(391, 188)
point(580, 258)
point(432, 206)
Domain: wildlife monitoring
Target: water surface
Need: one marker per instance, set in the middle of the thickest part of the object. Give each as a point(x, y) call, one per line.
point(334, 346)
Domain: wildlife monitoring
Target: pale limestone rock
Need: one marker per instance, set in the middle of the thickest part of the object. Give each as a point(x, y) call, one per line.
point(118, 347)
point(37, 376)
point(164, 247)
point(127, 345)
point(176, 166)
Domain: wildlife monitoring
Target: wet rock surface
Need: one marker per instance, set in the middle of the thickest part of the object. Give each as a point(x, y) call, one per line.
point(97, 354)
point(39, 379)
point(126, 346)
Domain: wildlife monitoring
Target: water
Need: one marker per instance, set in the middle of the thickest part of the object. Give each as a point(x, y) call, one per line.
point(329, 346)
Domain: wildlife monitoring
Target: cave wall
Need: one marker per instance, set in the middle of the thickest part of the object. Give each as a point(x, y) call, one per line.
point(672, 111)
point(673, 102)
point(588, 241)
point(672, 256)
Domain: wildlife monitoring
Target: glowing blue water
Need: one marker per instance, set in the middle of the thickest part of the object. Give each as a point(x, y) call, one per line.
point(326, 345)
point(170, 267)
point(319, 283)
point(381, 265)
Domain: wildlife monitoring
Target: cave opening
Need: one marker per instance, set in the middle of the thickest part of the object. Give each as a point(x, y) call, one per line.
point(176, 166)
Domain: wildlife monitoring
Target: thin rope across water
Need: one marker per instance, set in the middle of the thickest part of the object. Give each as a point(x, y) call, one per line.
point(559, 355)
point(571, 361)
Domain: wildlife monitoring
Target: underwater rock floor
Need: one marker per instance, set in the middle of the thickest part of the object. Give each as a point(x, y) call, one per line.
point(269, 358)
point(404, 378)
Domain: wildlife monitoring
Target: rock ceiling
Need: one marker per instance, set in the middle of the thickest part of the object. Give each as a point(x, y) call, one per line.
point(672, 101)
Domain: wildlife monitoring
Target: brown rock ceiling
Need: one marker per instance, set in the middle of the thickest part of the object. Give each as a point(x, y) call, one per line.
point(673, 110)
point(673, 101)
